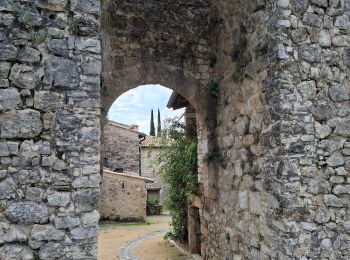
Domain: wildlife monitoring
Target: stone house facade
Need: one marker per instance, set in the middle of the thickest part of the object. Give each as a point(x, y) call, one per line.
point(269, 81)
point(123, 197)
point(121, 150)
point(150, 149)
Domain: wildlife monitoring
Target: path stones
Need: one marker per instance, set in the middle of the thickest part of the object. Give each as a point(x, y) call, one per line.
point(24, 212)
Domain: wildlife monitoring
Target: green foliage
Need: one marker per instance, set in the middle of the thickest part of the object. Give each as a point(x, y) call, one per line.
point(152, 128)
point(227, 236)
point(168, 235)
point(212, 61)
point(159, 126)
point(178, 168)
point(152, 202)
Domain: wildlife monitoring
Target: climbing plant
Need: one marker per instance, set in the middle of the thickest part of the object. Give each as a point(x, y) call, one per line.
point(178, 169)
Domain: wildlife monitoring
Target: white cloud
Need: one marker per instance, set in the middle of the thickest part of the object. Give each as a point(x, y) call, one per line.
point(134, 106)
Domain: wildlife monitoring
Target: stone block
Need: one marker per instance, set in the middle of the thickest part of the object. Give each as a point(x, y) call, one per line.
point(16, 251)
point(61, 72)
point(91, 219)
point(9, 99)
point(51, 250)
point(339, 92)
point(24, 76)
point(28, 54)
point(60, 199)
point(27, 213)
point(86, 6)
point(5, 68)
point(8, 52)
point(53, 5)
point(86, 199)
point(20, 124)
point(83, 233)
point(65, 222)
point(333, 201)
point(46, 233)
point(7, 189)
point(46, 100)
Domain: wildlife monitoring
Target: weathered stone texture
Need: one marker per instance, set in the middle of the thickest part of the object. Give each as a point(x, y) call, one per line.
point(149, 169)
point(121, 147)
point(131, 193)
point(42, 82)
point(269, 81)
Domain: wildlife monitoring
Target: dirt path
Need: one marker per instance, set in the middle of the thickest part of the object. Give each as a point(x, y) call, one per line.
point(128, 237)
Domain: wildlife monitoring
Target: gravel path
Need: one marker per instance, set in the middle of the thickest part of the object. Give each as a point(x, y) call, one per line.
point(126, 251)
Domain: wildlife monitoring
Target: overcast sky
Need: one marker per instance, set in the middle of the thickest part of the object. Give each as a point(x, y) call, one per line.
point(134, 106)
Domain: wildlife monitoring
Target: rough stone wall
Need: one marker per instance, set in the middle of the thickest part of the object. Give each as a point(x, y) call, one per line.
point(50, 67)
point(121, 148)
point(149, 170)
point(277, 180)
point(283, 132)
point(123, 198)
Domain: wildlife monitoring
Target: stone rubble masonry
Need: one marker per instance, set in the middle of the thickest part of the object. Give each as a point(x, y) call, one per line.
point(121, 147)
point(149, 169)
point(123, 197)
point(269, 81)
point(50, 66)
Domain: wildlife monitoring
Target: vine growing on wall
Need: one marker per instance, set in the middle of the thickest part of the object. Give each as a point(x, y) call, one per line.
point(178, 169)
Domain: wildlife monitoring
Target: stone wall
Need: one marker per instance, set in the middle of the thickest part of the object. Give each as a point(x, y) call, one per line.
point(50, 67)
point(121, 147)
point(283, 132)
point(269, 81)
point(149, 169)
point(123, 197)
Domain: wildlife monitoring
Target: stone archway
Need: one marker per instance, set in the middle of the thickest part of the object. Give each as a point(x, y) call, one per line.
point(158, 43)
point(278, 127)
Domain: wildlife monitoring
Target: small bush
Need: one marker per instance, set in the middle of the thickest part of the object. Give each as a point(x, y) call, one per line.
point(178, 169)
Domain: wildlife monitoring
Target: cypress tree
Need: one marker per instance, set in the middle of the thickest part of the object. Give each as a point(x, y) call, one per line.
point(153, 130)
point(159, 127)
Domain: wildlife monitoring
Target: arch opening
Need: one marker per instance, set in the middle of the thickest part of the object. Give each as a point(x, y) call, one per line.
point(130, 177)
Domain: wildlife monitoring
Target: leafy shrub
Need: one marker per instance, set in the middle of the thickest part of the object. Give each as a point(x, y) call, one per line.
point(178, 169)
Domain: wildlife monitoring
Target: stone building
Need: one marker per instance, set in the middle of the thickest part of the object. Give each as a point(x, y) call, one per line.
point(122, 147)
point(269, 81)
point(150, 149)
point(123, 196)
